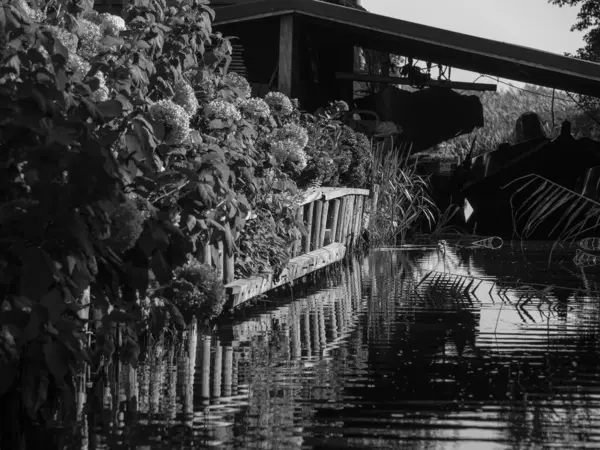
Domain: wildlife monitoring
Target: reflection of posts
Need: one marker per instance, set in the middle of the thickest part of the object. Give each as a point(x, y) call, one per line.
point(189, 372)
point(295, 333)
point(218, 369)
point(227, 370)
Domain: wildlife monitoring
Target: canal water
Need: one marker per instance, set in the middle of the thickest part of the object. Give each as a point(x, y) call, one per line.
point(441, 347)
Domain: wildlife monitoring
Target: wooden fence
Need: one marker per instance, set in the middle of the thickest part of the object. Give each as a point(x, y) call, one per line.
point(334, 220)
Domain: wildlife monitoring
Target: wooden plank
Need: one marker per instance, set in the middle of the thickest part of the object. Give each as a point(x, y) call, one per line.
point(342, 217)
point(323, 227)
point(286, 54)
point(317, 221)
point(298, 242)
point(348, 219)
point(309, 223)
point(407, 82)
point(330, 193)
point(358, 220)
point(334, 219)
point(241, 291)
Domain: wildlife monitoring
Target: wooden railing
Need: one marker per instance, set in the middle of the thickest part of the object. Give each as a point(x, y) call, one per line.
point(334, 220)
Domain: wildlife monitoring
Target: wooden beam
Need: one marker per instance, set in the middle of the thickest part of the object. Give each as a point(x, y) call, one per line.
point(241, 291)
point(286, 54)
point(405, 81)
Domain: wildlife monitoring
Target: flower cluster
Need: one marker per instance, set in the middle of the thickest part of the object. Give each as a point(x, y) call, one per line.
point(186, 97)
point(89, 38)
point(255, 108)
point(35, 15)
point(238, 82)
point(220, 109)
point(279, 103)
point(79, 66)
point(294, 133)
point(100, 94)
point(69, 40)
point(175, 119)
point(111, 24)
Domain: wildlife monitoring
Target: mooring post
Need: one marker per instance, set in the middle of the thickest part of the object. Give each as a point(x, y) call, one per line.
point(317, 234)
point(339, 235)
point(334, 219)
point(309, 223)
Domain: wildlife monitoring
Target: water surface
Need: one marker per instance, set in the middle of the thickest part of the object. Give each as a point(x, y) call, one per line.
point(440, 347)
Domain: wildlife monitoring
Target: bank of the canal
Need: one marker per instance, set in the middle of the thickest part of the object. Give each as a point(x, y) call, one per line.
point(433, 348)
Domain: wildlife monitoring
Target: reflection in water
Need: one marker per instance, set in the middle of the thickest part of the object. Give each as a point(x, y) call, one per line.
point(426, 349)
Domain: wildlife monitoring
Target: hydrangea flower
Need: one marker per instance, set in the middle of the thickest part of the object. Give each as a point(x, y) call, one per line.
point(35, 15)
point(240, 83)
point(78, 65)
point(111, 24)
point(294, 133)
point(186, 97)
point(89, 38)
point(288, 149)
point(219, 109)
point(279, 103)
point(69, 40)
point(174, 118)
point(100, 94)
point(256, 108)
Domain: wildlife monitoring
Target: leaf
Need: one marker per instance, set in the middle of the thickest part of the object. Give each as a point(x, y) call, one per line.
point(161, 269)
point(111, 41)
point(191, 222)
point(54, 303)
point(216, 124)
point(37, 273)
point(57, 366)
point(8, 374)
point(110, 108)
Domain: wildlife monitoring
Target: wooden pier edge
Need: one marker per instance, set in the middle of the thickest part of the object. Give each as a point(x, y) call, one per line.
point(240, 291)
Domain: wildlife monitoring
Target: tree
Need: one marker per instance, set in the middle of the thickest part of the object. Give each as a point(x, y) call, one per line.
point(588, 19)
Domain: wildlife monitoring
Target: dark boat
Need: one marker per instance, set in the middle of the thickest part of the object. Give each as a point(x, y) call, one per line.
point(503, 191)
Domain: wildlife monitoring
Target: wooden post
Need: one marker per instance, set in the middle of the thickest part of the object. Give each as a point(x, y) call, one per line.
point(358, 219)
point(324, 217)
point(205, 375)
point(340, 224)
point(309, 223)
point(298, 242)
point(348, 220)
point(228, 270)
point(317, 220)
point(286, 54)
point(227, 370)
point(334, 219)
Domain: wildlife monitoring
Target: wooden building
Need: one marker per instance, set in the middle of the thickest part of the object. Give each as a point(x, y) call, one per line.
point(306, 49)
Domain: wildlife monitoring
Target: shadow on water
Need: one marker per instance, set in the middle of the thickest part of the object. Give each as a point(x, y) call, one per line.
point(433, 348)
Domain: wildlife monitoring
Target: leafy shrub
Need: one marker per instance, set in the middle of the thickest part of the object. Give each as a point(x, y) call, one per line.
point(198, 289)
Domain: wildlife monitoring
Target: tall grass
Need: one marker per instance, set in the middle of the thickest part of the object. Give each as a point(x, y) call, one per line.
point(502, 109)
point(404, 200)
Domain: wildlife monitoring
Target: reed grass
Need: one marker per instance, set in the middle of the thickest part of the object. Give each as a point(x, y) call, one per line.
point(404, 198)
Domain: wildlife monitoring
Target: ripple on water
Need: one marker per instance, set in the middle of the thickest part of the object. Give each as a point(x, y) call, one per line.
point(432, 348)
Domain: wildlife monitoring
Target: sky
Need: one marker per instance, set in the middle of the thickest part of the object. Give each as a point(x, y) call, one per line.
point(530, 23)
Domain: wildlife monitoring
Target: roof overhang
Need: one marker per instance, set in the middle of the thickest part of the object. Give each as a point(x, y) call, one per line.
point(439, 46)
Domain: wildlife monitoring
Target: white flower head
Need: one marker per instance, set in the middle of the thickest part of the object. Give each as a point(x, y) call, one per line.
point(220, 109)
point(255, 108)
point(279, 103)
point(240, 83)
point(294, 133)
point(186, 97)
point(111, 24)
point(100, 94)
point(89, 38)
point(175, 119)
point(69, 40)
point(78, 65)
point(35, 15)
